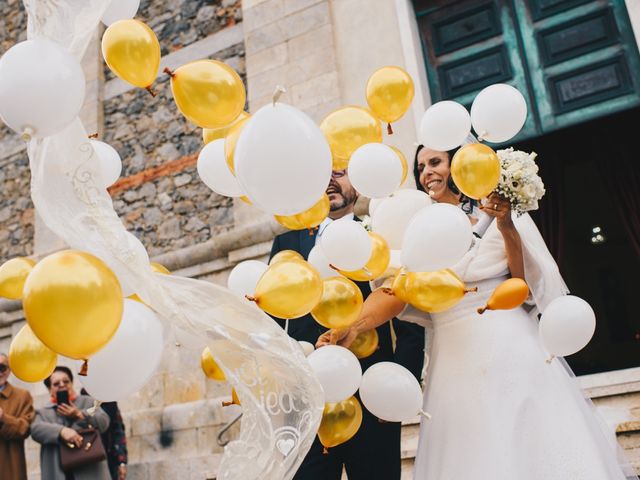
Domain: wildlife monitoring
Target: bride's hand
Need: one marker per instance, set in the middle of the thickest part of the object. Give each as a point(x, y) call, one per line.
point(499, 208)
point(343, 337)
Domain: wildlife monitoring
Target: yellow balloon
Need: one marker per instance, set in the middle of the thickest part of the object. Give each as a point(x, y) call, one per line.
point(289, 289)
point(509, 294)
point(475, 169)
point(73, 303)
point(340, 422)
point(245, 199)
point(389, 93)
point(234, 399)
point(434, 292)
point(157, 268)
point(209, 93)
point(308, 219)
point(30, 359)
point(230, 142)
point(341, 303)
point(210, 367)
point(347, 129)
point(211, 134)
point(378, 261)
point(13, 274)
point(285, 255)
point(365, 344)
point(403, 160)
point(131, 50)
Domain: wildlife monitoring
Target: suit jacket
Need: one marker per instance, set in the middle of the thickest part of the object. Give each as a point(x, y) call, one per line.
point(409, 337)
point(14, 428)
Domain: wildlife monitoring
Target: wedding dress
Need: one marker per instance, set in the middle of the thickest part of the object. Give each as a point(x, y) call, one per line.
point(499, 411)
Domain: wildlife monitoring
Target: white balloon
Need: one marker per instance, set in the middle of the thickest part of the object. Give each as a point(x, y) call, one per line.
point(437, 237)
point(120, 10)
point(374, 203)
point(346, 244)
point(282, 160)
point(498, 113)
point(566, 326)
point(391, 392)
point(319, 260)
point(393, 215)
point(444, 126)
point(375, 170)
point(244, 277)
point(338, 371)
point(214, 171)
point(109, 163)
point(131, 356)
point(41, 87)
point(306, 347)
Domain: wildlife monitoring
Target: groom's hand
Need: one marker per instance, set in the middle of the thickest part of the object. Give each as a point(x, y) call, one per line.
point(344, 337)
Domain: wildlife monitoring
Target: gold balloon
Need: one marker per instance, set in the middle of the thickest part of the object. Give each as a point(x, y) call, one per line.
point(308, 219)
point(475, 169)
point(289, 289)
point(389, 93)
point(234, 399)
point(245, 199)
point(285, 255)
point(347, 129)
point(158, 268)
point(434, 292)
point(210, 367)
point(131, 50)
point(211, 134)
point(378, 261)
point(509, 294)
point(365, 344)
point(341, 303)
point(73, 303)
point(340, 422)
point(209, 93)
point(403, 160)
point(30, 359)
point(13, 274)
point(230, 142)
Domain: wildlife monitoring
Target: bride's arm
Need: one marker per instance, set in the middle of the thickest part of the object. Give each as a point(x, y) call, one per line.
point(378, 308)
point(500, 209)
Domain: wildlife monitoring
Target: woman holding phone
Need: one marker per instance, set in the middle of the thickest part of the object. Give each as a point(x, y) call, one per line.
point(59, 422)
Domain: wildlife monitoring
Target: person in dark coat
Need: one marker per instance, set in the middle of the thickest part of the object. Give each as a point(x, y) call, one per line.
point(374, 452)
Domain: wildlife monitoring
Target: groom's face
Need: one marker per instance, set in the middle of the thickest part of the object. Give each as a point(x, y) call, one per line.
point(340, 191)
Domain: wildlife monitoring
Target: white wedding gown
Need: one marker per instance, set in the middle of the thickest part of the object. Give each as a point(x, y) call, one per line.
point(499, 411)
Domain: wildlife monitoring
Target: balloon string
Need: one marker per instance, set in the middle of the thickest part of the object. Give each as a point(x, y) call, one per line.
point(148, 89)
point(550, 359)
point(426, 415)
point(286, 326)
point(389, 129)
point(84, 369)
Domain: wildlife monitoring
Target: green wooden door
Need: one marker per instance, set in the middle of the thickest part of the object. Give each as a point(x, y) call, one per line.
point(574, 60)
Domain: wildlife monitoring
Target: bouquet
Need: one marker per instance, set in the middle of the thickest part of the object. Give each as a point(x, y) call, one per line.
point(519, 180)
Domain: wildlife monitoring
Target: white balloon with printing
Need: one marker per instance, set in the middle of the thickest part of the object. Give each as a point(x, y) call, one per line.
point(338, 371)
point(214, 171)
point(120, 10)
point(130, 358)
point(346, 244)
point(109, 163)
point(392, 216)
point(282, 160)
point(42, 88)
point(498, 113)
point(437, 237)
point(567, 325)
point(444, 126)
point(244, 277)
point(391, 392)
point(375, 170)
point(319, 260)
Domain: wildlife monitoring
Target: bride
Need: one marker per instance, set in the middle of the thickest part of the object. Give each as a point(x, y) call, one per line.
point(499, 411)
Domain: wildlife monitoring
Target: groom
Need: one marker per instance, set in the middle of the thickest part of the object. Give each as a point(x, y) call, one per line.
point(374, 452)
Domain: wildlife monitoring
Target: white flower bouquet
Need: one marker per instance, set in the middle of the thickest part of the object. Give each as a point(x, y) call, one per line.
point(519, 180)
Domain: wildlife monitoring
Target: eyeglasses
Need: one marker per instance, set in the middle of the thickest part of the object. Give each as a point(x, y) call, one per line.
point(61, 383)
point(3, 367)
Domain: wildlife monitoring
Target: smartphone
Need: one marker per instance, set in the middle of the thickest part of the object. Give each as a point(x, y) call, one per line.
point(62, 396)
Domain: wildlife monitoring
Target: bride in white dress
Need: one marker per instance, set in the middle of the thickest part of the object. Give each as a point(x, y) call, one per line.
point(499, 411)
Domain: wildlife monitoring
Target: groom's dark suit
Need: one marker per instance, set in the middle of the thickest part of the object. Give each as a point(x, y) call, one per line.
point(374, 452)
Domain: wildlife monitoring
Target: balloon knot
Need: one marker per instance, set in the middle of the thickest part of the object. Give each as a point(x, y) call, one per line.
point(334, 267)
point(226, 404)
point(550, 359)
point(469, 290)
point(481, 310)
point(94, 135)
point(389, 129)
point(149, 89)
point(482, 135)
point(426, 415)
point(27, 133)
point(251, 299)
point(278, 93)
point(84, 369)
point(169, 72)
point(325, 451)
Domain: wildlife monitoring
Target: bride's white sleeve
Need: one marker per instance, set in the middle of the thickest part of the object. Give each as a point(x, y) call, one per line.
point(540, 269)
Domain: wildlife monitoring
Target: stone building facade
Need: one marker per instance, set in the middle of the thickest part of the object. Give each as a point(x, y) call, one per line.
point(322, 51)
